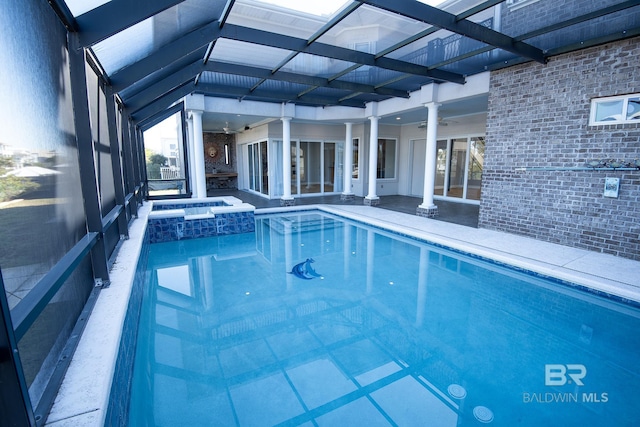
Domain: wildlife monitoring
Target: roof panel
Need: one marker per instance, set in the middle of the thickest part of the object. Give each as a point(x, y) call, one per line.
point(371, 30)
point(478, 63)
point(440, 46)
point(374, 76)
point(613, 24)
point(158, 75)
point(118, 51)
point(407, 83)
point(317, 8)
point(518, 17)
point(228, 79)
point(331, 92)
point(395, 36)
point(313, 65)
point(287, 89)
point(150, 35)
point(78, 7)
point(262, 16)
point(237, 52)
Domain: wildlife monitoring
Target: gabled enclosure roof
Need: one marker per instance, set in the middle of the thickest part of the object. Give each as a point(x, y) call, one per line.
point(324, 53)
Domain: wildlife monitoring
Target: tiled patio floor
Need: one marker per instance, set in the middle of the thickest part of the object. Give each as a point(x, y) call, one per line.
point(457, 213)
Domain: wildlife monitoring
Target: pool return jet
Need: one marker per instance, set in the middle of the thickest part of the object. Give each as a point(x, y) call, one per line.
point(303, 270)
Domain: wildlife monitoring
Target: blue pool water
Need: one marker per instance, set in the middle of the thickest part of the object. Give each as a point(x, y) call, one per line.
point(319, 321)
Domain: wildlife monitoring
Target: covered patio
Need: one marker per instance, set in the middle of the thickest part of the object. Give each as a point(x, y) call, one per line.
point(456, 213)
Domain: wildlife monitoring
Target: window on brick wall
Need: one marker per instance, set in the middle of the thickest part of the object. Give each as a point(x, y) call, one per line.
point(517, 4)
point(615, 110)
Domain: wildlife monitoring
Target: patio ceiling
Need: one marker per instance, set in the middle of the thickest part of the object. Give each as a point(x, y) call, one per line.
point(154, 52)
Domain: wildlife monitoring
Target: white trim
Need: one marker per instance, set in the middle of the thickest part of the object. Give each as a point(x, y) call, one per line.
point(614, 119)
point(395, 160)
point(517, 4)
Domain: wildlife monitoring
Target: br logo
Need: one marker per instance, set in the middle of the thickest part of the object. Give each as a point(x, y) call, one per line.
point(556, 375)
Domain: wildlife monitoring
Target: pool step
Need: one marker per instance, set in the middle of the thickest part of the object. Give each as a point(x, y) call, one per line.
point(304, 223)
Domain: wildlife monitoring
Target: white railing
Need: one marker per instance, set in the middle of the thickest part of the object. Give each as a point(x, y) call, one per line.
point(169, 173)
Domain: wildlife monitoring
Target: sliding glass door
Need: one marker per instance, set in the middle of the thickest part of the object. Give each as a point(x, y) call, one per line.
point(441, 166)
point(318, 167)
point(309, 167)
point(258, 167)
point(474, 170)
point(459, 165)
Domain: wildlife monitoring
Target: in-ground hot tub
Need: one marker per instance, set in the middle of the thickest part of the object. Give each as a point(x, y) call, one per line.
point(193, 218)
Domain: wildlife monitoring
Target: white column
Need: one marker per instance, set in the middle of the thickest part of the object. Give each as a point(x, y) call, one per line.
point(348, 161)
point(198, 155)
point(428, 208)
point(286, 199)
point(190, 155)
point(372, 198)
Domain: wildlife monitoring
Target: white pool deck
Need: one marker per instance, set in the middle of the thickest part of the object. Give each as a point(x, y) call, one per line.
point(84, 395)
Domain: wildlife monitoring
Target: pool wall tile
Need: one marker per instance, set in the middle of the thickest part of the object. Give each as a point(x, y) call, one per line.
point(178, 228)
point(118, 410)
point(164, 207)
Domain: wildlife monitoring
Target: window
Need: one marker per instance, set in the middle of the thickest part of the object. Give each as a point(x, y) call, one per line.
point(517, 4)
point(354, 165)
point(164, 155)
point(615, 110)
point(386, 158)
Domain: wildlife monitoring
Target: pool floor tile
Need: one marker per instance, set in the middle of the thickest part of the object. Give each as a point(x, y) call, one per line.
point(329, 332)
point(265, 402)
point(320, 381)
point(360, 357)
point(245, 357)
point(360, 412)
point(184, 403)
point(292, 343)
point(408, 402)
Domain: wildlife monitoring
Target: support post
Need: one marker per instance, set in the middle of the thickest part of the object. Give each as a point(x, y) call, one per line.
point(128, 159)
point(116, 164)
point(286, 199)
point(428, 208)
point(200, 189)
point(191, 156)
point(347, 194)
point(372, 199)
point(86, 157)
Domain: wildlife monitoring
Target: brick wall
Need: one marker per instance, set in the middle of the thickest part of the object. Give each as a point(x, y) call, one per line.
point(217, 162)
point(538, 117)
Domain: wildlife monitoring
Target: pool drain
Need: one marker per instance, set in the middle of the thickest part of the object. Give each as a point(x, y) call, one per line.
point(457, 391)
point(483, 414)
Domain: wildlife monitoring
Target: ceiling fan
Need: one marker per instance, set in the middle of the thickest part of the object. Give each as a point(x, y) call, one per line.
point(227, 130)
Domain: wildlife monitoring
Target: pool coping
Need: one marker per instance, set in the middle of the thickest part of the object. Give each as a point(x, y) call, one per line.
point(83, 398)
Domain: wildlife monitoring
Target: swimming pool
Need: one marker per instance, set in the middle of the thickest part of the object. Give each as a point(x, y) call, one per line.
point(318, 320)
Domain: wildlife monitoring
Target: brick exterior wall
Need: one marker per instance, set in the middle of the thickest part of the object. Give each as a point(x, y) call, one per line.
point(538, 117)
